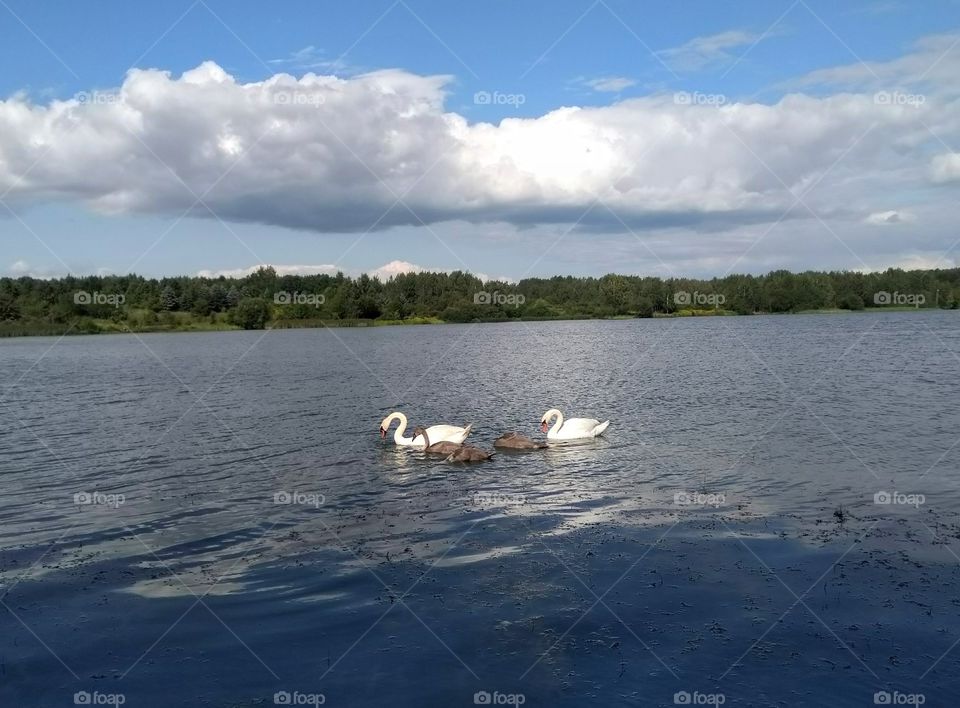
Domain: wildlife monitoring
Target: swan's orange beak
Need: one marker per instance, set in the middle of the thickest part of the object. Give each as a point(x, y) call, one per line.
point(383, 433)
point(543, 426)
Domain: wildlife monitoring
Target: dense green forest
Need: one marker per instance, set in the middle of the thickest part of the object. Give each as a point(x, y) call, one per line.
point(265, 299)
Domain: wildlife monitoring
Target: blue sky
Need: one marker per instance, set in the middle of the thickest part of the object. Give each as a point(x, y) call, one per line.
point(627, 60)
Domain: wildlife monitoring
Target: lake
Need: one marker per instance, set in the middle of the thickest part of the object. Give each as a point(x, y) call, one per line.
point(212, 519)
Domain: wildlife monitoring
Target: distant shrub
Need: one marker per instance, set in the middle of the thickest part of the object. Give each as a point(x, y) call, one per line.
point(251, 313)
point(850, 301)
point(644, 307)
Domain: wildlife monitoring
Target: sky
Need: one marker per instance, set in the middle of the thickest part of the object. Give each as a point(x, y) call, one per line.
point(508, 138)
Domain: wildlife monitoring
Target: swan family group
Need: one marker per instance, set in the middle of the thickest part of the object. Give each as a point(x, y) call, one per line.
point(449, 439)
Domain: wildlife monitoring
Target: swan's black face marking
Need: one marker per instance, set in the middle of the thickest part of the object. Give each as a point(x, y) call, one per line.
point(383, 433)
point(543, 425)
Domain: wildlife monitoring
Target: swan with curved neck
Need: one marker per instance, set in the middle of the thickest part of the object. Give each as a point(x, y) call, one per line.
point(436, 433)
point(572, 428)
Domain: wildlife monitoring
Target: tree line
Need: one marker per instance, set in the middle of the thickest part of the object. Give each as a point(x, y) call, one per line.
point(265, 298)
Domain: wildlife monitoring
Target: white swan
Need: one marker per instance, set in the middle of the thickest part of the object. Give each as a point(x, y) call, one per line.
point(436, 433)
point(572, 429)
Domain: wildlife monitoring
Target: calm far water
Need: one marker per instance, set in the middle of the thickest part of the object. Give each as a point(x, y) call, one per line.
point(723, 544)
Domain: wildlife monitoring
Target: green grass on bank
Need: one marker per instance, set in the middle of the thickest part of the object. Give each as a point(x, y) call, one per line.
point(142, 321)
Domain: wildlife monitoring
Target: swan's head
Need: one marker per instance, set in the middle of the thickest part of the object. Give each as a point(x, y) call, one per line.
point(547, 417)
point(388, 421)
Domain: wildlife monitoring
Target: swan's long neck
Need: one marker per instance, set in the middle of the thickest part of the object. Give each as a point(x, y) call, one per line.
point(426, 440)
point(401, 429)
point(559, 419)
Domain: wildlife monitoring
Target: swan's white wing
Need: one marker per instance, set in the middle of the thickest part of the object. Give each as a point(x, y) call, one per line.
point(439, 433)
point(582, 424)
point(575, 428)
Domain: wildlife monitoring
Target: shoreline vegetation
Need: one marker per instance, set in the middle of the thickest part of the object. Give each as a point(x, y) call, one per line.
point(266, 300)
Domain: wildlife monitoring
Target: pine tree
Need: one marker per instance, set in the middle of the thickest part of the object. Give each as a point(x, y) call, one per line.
point(168, 299)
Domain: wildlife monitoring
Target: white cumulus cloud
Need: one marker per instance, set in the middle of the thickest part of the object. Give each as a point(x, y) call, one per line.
point(384, 272)
point(388, 270)
point(380, 149)
point(280, 269)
